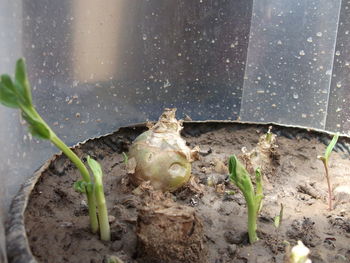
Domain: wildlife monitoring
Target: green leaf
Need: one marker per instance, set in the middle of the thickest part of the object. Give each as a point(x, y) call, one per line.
point(22, 82)
point(331, 146)
point(7, 81)
point(237, 170)
point(80, 186)
point(36, 127)
point(7, 97)
point(125, 158)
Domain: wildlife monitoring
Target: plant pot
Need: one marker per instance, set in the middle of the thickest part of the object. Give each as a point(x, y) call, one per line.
point(48, 218)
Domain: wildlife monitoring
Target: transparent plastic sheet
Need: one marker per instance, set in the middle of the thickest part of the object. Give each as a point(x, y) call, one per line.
point(95, 66)
point(290, 62)
point(338, 114)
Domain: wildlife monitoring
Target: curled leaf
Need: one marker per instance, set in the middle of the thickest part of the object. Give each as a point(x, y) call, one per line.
point(7, 96)
point(80, 186)
point(22, 82)
point(36, 127)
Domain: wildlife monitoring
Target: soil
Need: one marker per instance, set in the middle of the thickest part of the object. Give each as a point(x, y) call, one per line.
point(58, 225)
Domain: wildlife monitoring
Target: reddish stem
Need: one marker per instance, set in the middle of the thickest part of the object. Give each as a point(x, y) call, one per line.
point(330, 195)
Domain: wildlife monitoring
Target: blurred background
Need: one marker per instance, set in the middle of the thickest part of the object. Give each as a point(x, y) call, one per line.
point(97, 65)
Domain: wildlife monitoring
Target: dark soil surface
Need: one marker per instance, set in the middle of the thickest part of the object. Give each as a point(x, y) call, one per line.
point(58, 225)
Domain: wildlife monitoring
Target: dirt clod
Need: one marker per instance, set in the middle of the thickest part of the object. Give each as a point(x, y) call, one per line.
point(168, 232)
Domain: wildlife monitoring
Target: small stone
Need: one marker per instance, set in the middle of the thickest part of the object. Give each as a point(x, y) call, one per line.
point(83, 204)
point(111, 219)
point(232, 237)
point(232, 248)
point(66, 224)
point(220, 167)
point(342, 193)
point(205, 151)
point(340, 258)
point(117, 245)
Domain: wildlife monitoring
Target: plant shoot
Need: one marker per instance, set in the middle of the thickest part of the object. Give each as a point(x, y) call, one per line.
point(16, 93)
point(324, 160)
point(241, 178)
point(96, 169)
point(278, 219)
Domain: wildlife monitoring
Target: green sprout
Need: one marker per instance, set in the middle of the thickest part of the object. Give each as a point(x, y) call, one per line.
point(269, 135)
point(241, 178)
point(96, 169)
point(16, 93)
point(278, 219)
point(125, 158)
point(113, 259)
point(325, 159)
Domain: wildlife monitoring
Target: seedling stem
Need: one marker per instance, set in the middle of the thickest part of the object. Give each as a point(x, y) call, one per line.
point(240, 177)
point(100, 198)
point(325, 160)
point(16, 93)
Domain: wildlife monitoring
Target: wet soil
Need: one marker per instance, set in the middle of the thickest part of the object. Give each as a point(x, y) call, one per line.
point(58, 226)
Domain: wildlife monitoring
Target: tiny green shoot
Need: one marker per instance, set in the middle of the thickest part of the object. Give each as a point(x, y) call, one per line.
point(278, 219)
point(114, 259)
point(125, 158)
point(96, 169)
point(241, 178)
point(269, 135)
point(325, 159)
point(229, 192)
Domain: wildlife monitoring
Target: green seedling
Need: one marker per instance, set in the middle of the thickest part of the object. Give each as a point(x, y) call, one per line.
point(113, 259)
point(269, 135)
point(278, 219)
point(229, 192)
point(96, 169)
point(324, 160)
point(16, 93)
point(241, 178)
point(125, 158)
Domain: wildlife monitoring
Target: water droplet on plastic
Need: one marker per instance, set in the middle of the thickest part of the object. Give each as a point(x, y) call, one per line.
point(319, 34)
point(338, 84)
point(337, 53)
point(302, 53)
point(279, 42)
point(295, 95)
point(144, 37)
point(309, 39)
